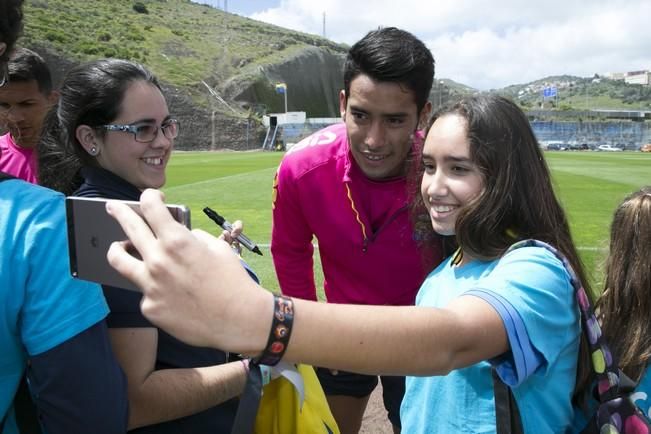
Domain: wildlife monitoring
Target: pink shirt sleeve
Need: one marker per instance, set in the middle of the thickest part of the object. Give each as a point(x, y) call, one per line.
point(17, 161)
point(291, 239)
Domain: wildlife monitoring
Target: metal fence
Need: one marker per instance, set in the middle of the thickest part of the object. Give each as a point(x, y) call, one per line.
point(627, 135)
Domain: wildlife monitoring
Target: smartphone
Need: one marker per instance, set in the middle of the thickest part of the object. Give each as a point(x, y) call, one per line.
point(90, 234)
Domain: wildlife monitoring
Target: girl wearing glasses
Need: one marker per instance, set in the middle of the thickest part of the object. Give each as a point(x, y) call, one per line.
point(111, 136)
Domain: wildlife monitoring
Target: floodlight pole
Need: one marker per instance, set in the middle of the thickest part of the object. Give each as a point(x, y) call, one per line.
point(285, 94)
point(212, 123)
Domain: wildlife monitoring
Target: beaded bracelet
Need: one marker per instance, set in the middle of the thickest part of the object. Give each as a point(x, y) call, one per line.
point(281, 330)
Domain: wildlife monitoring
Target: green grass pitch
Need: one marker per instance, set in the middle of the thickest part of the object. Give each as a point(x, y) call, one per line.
point(238, 185)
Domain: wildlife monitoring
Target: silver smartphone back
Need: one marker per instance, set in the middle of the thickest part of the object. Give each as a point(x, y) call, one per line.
point(90, 234)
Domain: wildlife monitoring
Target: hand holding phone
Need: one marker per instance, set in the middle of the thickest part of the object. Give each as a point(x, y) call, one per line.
point(90, 234)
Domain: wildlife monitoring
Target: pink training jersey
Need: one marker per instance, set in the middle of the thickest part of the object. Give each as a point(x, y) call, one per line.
point(365, 238)
point(17, 161)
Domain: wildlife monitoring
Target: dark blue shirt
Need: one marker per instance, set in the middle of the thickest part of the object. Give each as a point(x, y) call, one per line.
point(172, 353)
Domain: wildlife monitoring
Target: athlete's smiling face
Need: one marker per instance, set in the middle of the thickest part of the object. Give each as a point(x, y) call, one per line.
point(381, 119)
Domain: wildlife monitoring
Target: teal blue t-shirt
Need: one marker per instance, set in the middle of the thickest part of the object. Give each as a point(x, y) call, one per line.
point(641, 397)
point(543, 329)
point(41, 305)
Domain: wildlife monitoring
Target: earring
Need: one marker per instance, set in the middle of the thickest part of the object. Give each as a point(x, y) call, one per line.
point(94, 151)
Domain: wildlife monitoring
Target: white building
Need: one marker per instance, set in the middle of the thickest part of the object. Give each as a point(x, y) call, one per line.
point(632, 77)
point(638, 77)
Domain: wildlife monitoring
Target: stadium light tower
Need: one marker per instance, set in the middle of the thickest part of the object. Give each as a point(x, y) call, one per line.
point(282, 88)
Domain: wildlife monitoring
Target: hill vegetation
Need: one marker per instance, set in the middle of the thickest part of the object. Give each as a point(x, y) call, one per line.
point(193, 47)
point(218, 70)
point(182, 42)
point(581, 93)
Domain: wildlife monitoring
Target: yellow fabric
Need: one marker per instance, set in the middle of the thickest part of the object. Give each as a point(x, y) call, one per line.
point(280, 411)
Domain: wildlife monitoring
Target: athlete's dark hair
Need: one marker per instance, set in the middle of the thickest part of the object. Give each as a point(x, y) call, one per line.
point(393, 55)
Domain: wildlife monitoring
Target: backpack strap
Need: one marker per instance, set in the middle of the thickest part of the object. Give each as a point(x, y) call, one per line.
point(604, 362)
point(249, 402)
point(507, 415)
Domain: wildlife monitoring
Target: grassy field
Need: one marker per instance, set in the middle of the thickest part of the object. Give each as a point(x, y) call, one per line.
point(235, 184)
point(238, 186)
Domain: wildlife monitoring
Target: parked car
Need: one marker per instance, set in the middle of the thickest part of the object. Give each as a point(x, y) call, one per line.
point(556, 147)
point(609, 148)
point(581, 147)
point(646, 148)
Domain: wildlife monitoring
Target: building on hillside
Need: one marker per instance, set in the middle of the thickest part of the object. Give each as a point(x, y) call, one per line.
point(631, 77)
point(615, 75)
point(638, 77)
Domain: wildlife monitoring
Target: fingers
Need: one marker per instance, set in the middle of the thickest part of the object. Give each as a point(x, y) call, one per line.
point(130, 267)
point(226, 236)
point(230, 236)
point(133, 226)
point(155, 212)
point(236, 228)
point(204, 236)
point(235, 245)
point(219, 244)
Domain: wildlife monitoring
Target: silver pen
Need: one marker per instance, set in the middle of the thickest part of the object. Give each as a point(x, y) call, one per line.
point(221, 221)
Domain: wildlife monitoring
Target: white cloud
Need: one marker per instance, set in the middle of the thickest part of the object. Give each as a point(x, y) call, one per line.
point(493, 44)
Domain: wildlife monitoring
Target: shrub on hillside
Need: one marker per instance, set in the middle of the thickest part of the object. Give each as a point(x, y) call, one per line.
point(140, 8)
point(55, 36)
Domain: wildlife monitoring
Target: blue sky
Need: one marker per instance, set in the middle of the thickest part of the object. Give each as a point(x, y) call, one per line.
point(485, 44)
point(241, 7)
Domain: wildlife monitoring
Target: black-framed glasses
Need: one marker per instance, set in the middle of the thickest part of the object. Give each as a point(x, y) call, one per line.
point(4, 72)
point(146, 132)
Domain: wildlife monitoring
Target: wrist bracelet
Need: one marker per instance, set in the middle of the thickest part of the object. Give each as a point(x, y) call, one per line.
point(281, 330)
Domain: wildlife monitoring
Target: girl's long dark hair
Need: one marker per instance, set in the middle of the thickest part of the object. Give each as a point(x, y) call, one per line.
point(625, 304)
point(518, 200)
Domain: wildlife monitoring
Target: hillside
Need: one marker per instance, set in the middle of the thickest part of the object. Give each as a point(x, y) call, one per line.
point(219, 70)
point(189, 47)
point(445, 89)
point(581, 93)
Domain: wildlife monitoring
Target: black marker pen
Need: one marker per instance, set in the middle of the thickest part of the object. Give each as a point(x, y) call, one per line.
point(221, 221)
